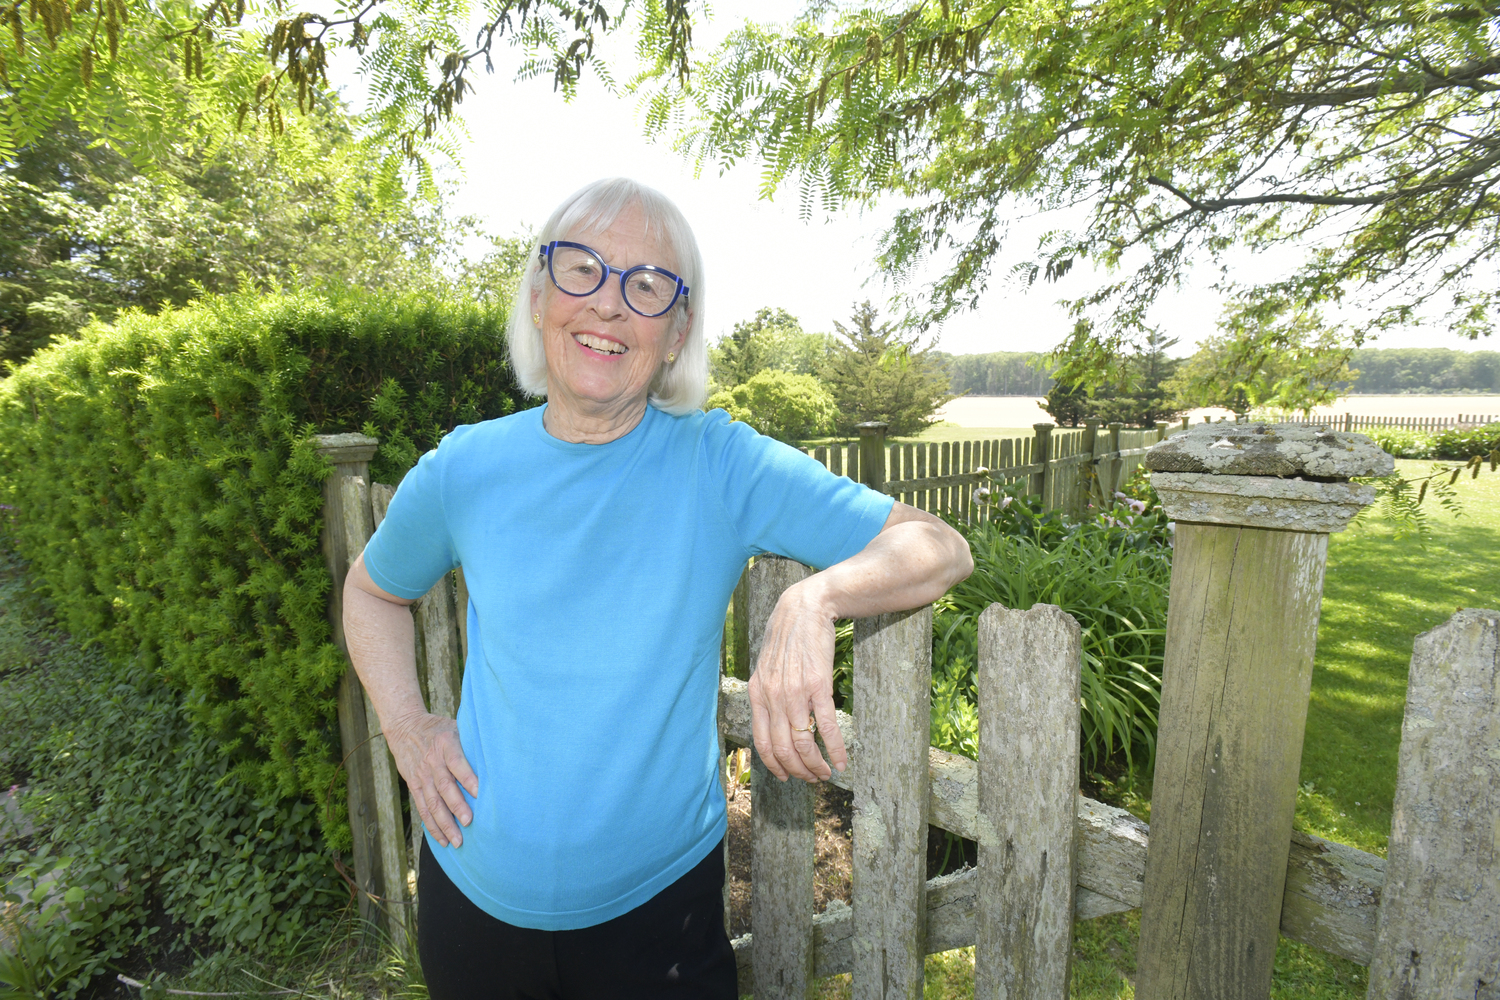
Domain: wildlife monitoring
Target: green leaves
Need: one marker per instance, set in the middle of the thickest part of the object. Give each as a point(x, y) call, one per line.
point(146, 844)
point(168, 495)
point(1358, 145)
point(877, 373)
point(1111, 572)
point(778, 404)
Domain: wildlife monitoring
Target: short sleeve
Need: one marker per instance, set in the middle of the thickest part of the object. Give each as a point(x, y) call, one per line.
point(413, 548)
point(782, 501)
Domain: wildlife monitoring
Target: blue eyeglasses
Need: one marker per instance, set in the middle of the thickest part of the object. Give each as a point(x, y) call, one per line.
point(579, 270)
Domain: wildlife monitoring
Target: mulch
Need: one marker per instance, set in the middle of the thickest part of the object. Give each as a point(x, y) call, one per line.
point(833, 812)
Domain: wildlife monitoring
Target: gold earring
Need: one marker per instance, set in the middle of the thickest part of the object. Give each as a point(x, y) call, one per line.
point(536, 318)
point(671, 356)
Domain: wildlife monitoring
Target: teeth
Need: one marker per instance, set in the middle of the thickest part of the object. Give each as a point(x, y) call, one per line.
point(599, 343)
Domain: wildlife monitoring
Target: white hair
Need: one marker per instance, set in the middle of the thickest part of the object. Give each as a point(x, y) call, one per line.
point(680, 387)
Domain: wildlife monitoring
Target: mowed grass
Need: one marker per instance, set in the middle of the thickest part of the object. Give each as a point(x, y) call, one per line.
point(1379, 594)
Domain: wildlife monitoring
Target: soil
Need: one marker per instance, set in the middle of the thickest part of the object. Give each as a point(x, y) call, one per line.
point(833, 811)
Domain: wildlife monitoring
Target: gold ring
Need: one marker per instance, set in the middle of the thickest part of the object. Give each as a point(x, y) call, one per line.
point(812, 726)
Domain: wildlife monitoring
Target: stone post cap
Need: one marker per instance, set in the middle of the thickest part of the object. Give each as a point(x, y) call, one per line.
point(1307, 451)
point(342, 449)
point(872, 428)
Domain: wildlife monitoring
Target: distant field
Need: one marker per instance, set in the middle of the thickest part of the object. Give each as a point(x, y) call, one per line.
point(1007, 416)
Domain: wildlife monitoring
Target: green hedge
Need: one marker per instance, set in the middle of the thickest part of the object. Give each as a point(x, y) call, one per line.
point(1448, 444)
point(167, 495)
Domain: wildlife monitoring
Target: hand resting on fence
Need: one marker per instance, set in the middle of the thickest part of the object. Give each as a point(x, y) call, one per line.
point(378, 629)
point(912, 561)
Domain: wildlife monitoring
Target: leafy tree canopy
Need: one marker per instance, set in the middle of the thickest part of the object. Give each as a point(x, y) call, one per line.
point(773, 339)
point(876, 372)
point(84, 232)
point(1278, 358)
point(1359, 143)
point(132, 70)
point(1362, 143)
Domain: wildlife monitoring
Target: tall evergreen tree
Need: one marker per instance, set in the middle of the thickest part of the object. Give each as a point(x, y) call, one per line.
point(875, 373)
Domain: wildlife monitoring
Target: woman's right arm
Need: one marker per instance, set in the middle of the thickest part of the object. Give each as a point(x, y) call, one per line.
point(378, 630)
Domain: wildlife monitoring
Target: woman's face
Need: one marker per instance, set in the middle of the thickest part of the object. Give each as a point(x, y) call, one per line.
point(601, 355)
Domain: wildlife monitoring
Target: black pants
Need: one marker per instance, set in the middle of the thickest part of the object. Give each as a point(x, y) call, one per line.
point(672, 945)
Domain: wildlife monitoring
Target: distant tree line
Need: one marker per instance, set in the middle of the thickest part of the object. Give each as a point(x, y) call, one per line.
point(1381, 370)
point(1424, 370)
point(1001, 373)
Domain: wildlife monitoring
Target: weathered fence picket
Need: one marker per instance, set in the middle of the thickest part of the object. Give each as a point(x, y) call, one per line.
point(892, 697)
point(1029, 669)
point(390, 867)
point(350, 455)
point(1439, 932)
point(782, 836)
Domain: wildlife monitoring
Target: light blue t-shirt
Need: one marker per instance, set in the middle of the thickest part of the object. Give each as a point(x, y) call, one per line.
point(598, 576)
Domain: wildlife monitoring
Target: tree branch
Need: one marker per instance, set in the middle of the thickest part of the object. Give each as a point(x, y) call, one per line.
point(1454, 180)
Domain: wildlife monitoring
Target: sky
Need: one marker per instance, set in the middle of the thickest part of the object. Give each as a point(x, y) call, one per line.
point(528, 149)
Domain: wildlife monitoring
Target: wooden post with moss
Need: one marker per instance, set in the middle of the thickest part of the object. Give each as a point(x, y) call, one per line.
point(347, 518)
point(1254, 504)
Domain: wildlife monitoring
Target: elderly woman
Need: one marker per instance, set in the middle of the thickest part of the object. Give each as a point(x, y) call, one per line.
point(574, 819)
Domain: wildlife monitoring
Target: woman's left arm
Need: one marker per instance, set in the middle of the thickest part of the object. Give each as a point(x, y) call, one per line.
point(912, 562)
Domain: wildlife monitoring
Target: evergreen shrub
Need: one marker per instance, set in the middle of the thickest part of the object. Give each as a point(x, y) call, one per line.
point(167, 494)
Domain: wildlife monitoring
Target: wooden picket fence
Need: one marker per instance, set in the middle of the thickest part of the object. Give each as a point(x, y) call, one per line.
point(1067, 468)
point(1430, 425)
point(1048, 855)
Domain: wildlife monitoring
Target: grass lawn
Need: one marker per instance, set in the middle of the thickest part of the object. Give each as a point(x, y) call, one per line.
point(1378, 595)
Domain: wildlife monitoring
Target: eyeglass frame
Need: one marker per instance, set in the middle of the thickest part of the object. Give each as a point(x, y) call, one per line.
point(546, 251)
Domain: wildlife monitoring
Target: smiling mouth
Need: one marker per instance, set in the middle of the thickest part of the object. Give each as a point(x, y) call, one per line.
point(600, 344)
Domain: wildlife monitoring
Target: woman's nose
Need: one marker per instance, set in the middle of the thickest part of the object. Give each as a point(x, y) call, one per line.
point(607, 302)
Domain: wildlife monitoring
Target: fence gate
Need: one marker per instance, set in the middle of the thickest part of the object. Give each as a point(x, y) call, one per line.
point(1047, 855)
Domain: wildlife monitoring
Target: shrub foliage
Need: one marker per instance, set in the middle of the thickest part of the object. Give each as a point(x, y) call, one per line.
point(779, 404)
point(144, 844)
point(167, 493)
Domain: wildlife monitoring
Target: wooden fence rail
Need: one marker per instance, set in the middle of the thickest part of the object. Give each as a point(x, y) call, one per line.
point(1048, 855)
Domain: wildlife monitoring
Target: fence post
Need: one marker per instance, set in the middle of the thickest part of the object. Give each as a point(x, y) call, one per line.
point(1187, 422)
point(1116, 463)
point(1247, 581)
point(1040, 453)
point(1029, 672)
point(388, 873)
point(1439, 923)
point(350, 455)
point(782, 840)
point(1161, 430)
point(872, 453)
point(1089, 446)
point(889, 771)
